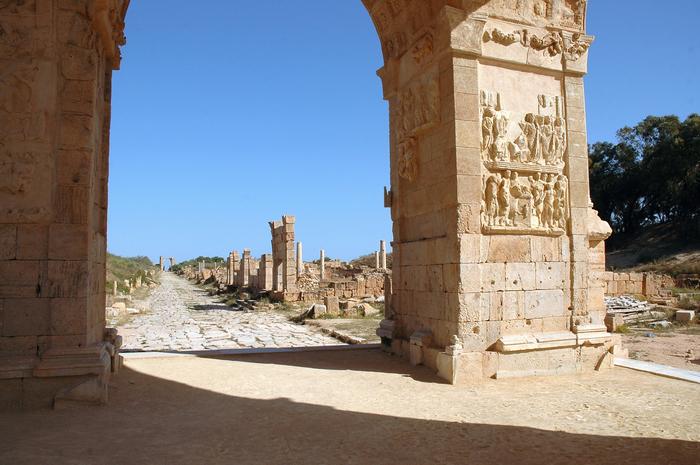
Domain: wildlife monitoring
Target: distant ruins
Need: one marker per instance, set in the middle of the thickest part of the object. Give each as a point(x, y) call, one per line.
point(288, 278)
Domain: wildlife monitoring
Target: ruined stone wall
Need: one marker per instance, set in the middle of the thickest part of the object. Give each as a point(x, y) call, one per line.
point(283, 255)
point(648, 285)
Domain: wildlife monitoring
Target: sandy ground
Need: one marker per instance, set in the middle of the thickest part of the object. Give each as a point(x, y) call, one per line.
point(667, 348)
point(362, 407)
point(362, 328)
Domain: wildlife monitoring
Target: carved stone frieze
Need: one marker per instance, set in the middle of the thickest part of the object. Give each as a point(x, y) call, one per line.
point(500, 37)
point(418, 107)
point(408, 159)
point(423, 48)
point(524, 191)
point(551, 44)
point(417, 110)
point(514, 203)
point(570, 14)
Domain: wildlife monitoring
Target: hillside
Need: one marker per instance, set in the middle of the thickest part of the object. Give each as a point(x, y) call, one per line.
point(369, 260)
point(121, 268)
point(661, 248)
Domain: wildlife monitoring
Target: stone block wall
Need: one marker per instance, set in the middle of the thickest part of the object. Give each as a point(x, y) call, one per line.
point(649, 285)
point(55, 93)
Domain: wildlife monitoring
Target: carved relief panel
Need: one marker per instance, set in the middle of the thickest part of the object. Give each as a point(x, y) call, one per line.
point(525, 190)
point(417, 109)
point(570, 14)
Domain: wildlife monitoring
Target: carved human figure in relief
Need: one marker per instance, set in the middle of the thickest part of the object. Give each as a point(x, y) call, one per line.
point(537, 191)
point(560, 190)
point(521, 201)
point(546, 132)
point(491, 199)
point(547, 220)
point(559, 142)
point(500, 145)
point(504, 201)
point(530, 131)
point(520, 152)
point(408, 159)
point(543, 8)
point(487, 133)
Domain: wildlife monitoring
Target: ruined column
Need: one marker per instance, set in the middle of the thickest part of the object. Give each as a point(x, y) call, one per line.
point(377, 265)
point(300, 260)
point(382, 255)
point(115, 289)
point(323, 264)
point(172, 262)
point(229, 270)
point(290, 269)
point(265, 272)
point(236, 258)
point(244, 271)
point(284, 269)
point(162, 263)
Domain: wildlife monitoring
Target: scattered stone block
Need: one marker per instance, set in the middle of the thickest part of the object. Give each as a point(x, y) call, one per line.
point(685, 316)
point(332, 305)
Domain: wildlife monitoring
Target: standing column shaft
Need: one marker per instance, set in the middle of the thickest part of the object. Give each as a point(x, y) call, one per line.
point(300, 259)
point(382, 255)
point(323, 264)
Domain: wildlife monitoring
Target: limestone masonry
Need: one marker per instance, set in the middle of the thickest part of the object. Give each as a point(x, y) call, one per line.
point(498, 254)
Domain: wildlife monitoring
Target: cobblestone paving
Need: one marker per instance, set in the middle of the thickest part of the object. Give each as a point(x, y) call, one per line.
point(183, 317)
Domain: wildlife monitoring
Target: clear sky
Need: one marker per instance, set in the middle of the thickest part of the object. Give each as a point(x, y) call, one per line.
point(228, 114)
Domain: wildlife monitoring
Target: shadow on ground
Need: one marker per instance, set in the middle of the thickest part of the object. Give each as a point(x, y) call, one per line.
point(216, 307)
point(316, 360)
point(155, 421)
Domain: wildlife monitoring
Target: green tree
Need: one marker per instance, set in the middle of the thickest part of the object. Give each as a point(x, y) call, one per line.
point(650, 176)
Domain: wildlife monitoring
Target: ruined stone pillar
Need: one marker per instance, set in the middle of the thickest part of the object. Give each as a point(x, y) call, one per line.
point(244, 271)
point(265, 272)
point(377, 264)
point(382, 255)
point(284, 274)
point(172, 262)
point(489, 184)
point(115, 289)
point(300, 260)
point(229, 270)
point(162, 263)
point(323, 264)
point(236, 259)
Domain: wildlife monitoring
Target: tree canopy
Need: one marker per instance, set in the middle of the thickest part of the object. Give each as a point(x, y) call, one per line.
point(650, 176)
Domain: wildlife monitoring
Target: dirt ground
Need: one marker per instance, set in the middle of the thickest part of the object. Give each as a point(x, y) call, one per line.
point(362, 328)
point(666, 347)
point(359, 407)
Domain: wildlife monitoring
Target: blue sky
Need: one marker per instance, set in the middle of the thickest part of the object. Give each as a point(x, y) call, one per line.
point(229, 115)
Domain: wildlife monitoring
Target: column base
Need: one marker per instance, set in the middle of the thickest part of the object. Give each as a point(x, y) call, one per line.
point(60, 377)
point(517, 356)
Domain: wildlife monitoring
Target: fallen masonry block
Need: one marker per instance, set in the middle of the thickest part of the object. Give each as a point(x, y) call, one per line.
point(685, 316)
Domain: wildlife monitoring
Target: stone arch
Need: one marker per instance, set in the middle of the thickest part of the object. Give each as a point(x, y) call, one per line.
point(484, 282)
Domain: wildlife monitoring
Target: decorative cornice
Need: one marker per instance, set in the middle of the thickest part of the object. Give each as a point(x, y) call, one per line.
point(553, 43)
point(108, 21)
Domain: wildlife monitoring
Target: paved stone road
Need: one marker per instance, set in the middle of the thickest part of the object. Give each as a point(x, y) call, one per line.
point(183, 317)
